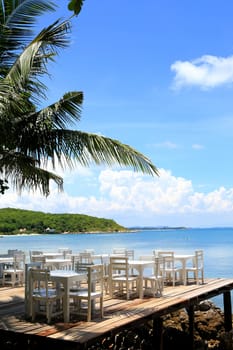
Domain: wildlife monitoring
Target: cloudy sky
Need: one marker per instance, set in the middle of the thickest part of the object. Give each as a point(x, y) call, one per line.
point(157, 75)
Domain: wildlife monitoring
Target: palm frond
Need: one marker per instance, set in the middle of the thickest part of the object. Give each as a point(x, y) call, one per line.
point(22, 14)
point(25, 175)
point(31, 63)
point(87, 149)
point(17, 18)
point(63, 113)
point(12, 104)
point(31, 133)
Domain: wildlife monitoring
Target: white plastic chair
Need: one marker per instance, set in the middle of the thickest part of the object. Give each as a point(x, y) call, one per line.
point(1, 272)
point(130, 253)
point(65, 251)
point(120, 279)
point(14, 275)
point(197, 269)
point(75, 258)
point(85, 257)
point(44, 298)
point(27, 289)
point(33, 253)
point(119, 251)
point(148, 258)
point(80, 267)
point(172, 273)
point(91, 296)
point(105, 262)
point(38, 258)
point(154, 283)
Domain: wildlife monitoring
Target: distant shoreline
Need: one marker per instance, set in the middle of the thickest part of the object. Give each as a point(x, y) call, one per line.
point(158, 228)
point(62, 233)
point(130, 229)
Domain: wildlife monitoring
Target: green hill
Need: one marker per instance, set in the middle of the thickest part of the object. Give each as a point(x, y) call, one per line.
point(15, 221)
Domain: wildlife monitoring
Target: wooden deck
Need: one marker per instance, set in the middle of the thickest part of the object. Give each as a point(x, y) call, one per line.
point(118, 313)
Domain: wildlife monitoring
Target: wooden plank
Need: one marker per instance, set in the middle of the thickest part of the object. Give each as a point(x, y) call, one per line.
point(12, 323)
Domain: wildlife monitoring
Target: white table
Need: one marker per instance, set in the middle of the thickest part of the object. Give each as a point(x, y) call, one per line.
point(53, 255)
point(184, 258)
point(6, 260)
point(44, 256)
point(140, 265)
point(58, 263)
point(67, 278)
point(101, 257)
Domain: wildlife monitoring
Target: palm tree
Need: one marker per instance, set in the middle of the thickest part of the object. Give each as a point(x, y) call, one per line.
point(32, 137)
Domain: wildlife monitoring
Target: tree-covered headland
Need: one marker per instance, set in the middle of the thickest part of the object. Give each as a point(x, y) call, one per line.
point(16, 221)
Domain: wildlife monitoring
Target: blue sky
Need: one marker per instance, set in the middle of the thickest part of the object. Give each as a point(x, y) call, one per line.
point(157, 75)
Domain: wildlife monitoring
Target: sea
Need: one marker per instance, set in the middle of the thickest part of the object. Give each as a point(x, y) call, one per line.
point(216, 242)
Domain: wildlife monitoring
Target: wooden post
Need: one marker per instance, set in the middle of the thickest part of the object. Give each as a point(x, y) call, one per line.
point(227, 311)
point(190, 311)
point(158, 333)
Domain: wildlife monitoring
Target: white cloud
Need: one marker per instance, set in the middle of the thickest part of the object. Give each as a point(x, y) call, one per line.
point(166, 144)
point(206, 72)
point(132, 198)
point(197, 146)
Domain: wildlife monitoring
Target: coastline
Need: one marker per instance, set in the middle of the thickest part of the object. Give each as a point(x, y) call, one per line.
point(127, 230)
point(64, 233)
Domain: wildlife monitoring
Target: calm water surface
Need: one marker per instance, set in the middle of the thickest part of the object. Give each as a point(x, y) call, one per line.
point(217, 244)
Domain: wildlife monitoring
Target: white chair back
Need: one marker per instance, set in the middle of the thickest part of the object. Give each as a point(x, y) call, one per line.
point(85, 257)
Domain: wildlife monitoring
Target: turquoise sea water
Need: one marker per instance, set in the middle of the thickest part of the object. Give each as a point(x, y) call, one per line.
point(217, 244)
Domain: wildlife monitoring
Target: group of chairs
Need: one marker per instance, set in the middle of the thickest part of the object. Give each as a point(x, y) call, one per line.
point(40, 256)
point(12, 270)
point(165, 271)
point(119, 279)
point(45, 298)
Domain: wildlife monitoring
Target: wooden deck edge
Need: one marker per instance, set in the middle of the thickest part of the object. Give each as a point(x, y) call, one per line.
point(129, 313)
point(145, 310)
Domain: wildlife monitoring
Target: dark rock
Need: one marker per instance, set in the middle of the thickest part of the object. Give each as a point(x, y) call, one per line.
point(209, 332)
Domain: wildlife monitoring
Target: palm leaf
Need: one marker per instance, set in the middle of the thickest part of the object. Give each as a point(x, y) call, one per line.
point(24, 174)
point(65, 112)
point(88, 149)
point(31, 63)
point(17, 18)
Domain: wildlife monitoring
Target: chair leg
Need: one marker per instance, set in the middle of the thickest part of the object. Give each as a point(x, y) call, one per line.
point(159, 287)
point(48, 312)
point(102, 307)
point(196, 277)
point(89, 310)
point(154, 287)
point(127, 291)
point(33, 312)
